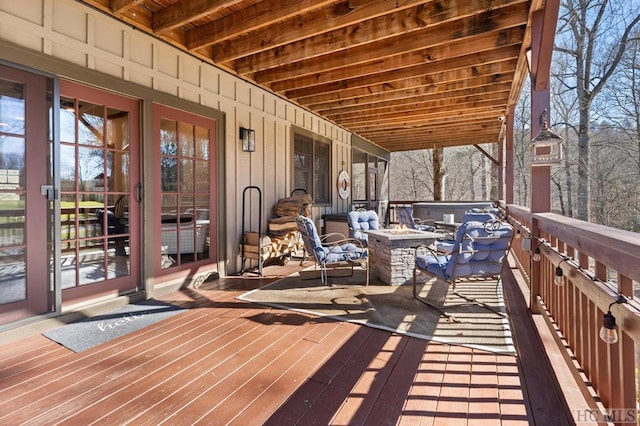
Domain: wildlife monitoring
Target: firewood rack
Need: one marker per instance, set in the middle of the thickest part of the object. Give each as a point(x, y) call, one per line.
point(246, 192)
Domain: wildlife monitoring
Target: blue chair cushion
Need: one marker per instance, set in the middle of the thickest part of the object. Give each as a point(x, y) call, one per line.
point(434, 265)
point(310, 228)
point(362, 220)
point(336, 253)
point(344, 252)
point(478, 216)
point(476, 251)
point(427, 228)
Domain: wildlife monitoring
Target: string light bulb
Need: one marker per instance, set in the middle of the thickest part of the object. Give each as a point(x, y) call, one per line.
point(608, 332)
point(536, 254)
point(559, 278)
point(559, 275)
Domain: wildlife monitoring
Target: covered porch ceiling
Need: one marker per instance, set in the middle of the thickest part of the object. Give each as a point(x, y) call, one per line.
point(403, 74)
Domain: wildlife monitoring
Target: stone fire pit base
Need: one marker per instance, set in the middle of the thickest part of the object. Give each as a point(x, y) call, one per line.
point(392, 253)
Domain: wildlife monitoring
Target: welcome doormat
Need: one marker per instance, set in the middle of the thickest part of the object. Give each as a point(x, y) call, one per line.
point(93, 331)
point(394, 308)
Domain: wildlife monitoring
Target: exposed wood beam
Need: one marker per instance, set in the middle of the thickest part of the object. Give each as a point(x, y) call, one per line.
point(507, 56)
point(311, 24)
point(487, 100)
point(424, 132)
point(409, 97)
point(486, 154)
point(449, 124)
point(437, 140)
point(486, 76)
point(186, 11)
point(121, 6)
point(431, 55)
point(423, 20)
point(253, 18)
point(400, 63)
point(418, 115)
point(401, 73)
point(431, 131)
point(418, 120)
point(426, 47)
point(415, 144)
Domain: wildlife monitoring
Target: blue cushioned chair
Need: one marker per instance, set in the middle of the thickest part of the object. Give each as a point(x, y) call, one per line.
point(479, 251)
point(405, 217)
point(362, 220)
point(345, 250)
point(474, 215)
point(493, 210)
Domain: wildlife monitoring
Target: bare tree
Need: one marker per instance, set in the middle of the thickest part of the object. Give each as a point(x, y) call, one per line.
point(623, 98)
point(461, 185)
point(411, 175)
point(594, 34)
point(521, 139)
point(564, 105)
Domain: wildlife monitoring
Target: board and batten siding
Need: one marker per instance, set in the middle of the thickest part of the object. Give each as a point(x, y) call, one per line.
point(67, 31)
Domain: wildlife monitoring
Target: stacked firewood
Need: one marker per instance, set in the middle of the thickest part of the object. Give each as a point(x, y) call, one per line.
point(282, 239)
point(271, 248)
point(285, 212)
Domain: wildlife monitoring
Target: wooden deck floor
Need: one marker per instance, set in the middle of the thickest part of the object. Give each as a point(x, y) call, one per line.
point(226, 361)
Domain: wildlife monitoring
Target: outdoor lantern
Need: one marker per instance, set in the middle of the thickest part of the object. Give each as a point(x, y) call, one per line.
point(546, 147)
point(248, 139)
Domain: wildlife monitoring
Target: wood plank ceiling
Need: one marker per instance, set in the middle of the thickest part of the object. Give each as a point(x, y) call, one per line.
point(403, 74)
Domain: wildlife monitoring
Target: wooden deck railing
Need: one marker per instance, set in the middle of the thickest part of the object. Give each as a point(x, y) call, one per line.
point(598, 263)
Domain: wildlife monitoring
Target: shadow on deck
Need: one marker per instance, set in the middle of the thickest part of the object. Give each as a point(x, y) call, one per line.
point(227, 361)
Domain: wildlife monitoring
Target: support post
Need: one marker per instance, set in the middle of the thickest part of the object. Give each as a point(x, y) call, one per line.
point(508, 155)
point(543, 29)
point(437, 174)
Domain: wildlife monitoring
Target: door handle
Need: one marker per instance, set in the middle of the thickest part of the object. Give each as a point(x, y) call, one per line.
point(49, 191)
point(139, 192)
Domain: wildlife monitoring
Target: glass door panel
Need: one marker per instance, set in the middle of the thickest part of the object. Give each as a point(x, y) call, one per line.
point(25, 147)
point(99, 171)
point(186, 192)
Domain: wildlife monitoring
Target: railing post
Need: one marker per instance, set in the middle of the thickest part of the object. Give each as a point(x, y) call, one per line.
point(540, 183)
point(508, 157)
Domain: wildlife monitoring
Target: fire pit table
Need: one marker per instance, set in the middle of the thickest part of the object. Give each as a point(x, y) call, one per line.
point(392, 253)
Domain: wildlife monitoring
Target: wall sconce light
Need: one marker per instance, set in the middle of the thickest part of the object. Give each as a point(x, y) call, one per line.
point(518, 234)
point(608, 332)
point(248, 139)
point(546, 147)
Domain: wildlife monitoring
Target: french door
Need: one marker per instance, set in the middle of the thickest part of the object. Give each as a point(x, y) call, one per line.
point(185, 193)
point(26, 285)
point(99, 195)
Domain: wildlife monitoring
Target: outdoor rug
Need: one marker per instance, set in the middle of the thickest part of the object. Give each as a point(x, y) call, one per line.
point(394, 308)
point(82, 335)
